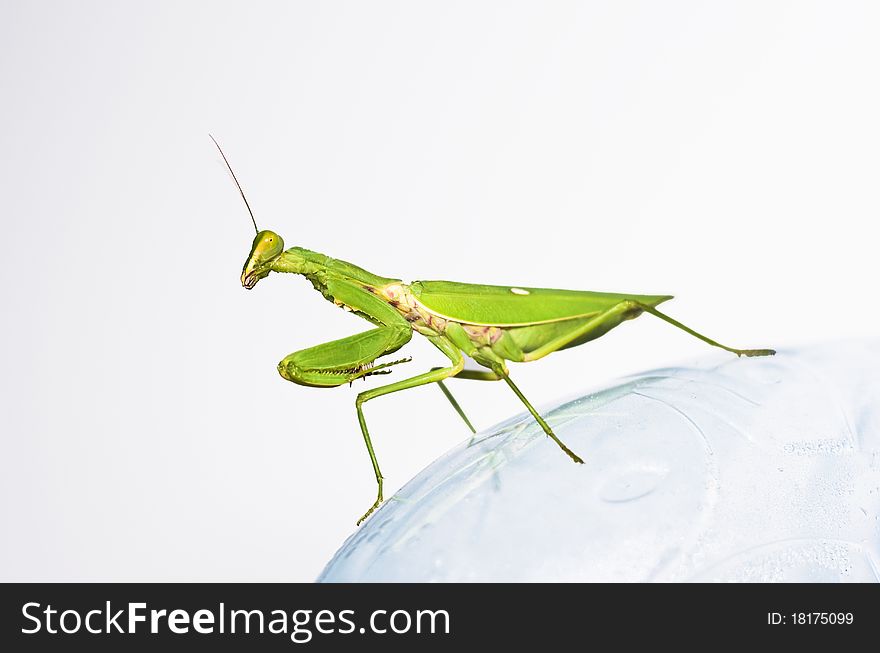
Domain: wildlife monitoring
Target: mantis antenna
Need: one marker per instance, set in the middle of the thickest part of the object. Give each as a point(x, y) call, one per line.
point(235, 179)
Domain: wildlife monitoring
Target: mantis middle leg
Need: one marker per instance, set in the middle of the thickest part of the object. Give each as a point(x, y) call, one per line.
point(475, 375)
point(499, 375)
point(342, 361)
point(433, 376)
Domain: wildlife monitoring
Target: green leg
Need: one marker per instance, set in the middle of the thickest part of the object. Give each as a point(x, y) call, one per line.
point(498, 375)
point(433, 376)
point(613, 316)
point(538, 418)
point(465, 374)
point(738, 352)
point(599, 323)
point(335, 363)
point(454, 402)
point(342, 361)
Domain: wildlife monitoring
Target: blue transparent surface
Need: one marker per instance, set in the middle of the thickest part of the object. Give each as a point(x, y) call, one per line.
point(763, 469)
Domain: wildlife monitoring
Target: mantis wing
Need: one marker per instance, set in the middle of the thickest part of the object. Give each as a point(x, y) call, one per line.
point(507, 306)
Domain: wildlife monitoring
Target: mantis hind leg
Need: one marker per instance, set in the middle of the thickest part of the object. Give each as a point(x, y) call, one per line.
point(624, 310)
point(433, 376)
point(676, 323)
point(543, 424)
point(499, 373)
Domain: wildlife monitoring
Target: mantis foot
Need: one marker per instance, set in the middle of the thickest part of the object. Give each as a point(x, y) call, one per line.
point(370, 511)
point(571, 454)
point(756, 352)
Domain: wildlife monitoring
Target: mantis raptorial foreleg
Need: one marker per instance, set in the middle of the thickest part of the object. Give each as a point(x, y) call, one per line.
point(342, 361)
point(433, 376)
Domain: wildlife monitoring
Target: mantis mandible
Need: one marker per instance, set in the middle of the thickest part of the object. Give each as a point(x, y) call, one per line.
point(492, 325)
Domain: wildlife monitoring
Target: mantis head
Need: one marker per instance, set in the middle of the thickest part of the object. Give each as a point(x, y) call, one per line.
point(267, 245)
point(265, 249)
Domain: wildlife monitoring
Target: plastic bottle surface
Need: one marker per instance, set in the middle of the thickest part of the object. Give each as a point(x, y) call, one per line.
point(762, 469)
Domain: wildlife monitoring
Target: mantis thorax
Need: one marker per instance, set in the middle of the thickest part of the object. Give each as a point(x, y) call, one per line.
point(420, 318)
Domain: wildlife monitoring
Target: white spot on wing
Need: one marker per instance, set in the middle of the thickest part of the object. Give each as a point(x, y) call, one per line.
point(519, 291)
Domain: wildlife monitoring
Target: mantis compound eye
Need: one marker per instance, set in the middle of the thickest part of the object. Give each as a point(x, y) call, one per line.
point(267, 245)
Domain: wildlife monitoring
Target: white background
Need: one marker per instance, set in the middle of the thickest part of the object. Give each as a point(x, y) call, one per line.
point(726, 153)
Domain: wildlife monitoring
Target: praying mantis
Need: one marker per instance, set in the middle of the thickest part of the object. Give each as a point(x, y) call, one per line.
point(492, 325)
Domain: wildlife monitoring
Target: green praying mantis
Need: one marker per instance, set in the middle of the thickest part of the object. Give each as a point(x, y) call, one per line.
point(493, 325)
